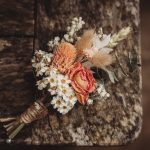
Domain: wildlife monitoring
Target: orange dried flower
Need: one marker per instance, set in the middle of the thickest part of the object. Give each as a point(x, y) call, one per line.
point(82, 81)
point(64, 56)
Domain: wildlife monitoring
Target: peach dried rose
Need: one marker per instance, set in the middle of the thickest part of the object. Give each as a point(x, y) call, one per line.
point(82, 81)
point(64, 56)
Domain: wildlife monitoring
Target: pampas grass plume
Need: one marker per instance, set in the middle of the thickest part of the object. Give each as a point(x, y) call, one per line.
point(85, 41)
point(101, 59)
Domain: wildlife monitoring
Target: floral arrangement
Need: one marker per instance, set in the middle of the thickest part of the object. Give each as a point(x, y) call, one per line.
point(66, 73)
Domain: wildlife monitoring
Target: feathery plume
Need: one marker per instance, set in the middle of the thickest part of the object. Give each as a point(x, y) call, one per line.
point(85, 42)
point(117, 37)
point(101, 59)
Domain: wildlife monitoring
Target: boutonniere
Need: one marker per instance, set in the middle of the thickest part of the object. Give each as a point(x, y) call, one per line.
point(66, 73)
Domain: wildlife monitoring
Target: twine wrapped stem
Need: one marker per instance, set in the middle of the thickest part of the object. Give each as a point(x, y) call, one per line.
point(15, 124)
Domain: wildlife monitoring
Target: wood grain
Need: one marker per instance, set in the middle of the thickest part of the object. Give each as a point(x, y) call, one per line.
point(16, 17)
point(16, 76)
point(17, 84)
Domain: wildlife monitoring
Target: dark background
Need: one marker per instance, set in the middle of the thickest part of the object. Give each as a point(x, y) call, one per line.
point(143, 142)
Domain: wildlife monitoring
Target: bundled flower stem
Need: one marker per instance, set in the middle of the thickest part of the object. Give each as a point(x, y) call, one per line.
point(14, 125)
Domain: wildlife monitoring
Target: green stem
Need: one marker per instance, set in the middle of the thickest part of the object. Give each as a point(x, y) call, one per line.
point(120, 65)
point(16, 131)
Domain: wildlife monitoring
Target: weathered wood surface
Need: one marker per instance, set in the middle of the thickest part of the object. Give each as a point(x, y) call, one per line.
point(16, 17)
point(16, 78)
point(16, 74)
point(115, 121)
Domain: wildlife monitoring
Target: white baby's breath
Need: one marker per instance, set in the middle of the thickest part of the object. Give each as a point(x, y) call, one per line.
point(52, 43)
point(41, 69)
point(72, 99)
point(63, 109)
point(52, 81)
point(76, 25)
point(59, 86)
point(41, 62)
point(57, 102)
point(39, 53)
point(52, 90)
point(63, 80)
point(41, 84)
point(71, 35)
point(65, 92)
point(62, 106)
point(102, 91)
point(47, 57)
point(89, 101)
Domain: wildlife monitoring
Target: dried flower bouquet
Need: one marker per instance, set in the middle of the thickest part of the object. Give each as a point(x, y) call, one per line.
point(67, 74)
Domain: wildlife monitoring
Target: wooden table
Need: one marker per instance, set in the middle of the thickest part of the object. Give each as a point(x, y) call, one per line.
point(26, 25)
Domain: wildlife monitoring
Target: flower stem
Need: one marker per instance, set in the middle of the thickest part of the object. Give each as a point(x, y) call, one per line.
point(16, 131)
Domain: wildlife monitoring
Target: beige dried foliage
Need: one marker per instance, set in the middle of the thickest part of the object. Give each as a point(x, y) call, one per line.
point(101, 59)
point(85, 41)
point(121, 35)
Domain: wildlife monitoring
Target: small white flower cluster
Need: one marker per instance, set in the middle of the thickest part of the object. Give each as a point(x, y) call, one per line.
point(51, 44)
point(76, 25)
point(70, 36)
point(102, 91)
point(41, 62)
point(89, 101)
point(59, 86)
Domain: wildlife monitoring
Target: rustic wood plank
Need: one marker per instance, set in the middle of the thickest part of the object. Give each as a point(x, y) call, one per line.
point(16, 85)
point(117, 120)
point(16, 78)
point(16, 17)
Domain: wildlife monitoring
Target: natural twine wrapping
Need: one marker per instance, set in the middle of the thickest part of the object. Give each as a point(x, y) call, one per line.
point(13, 125)
point(34, 112)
